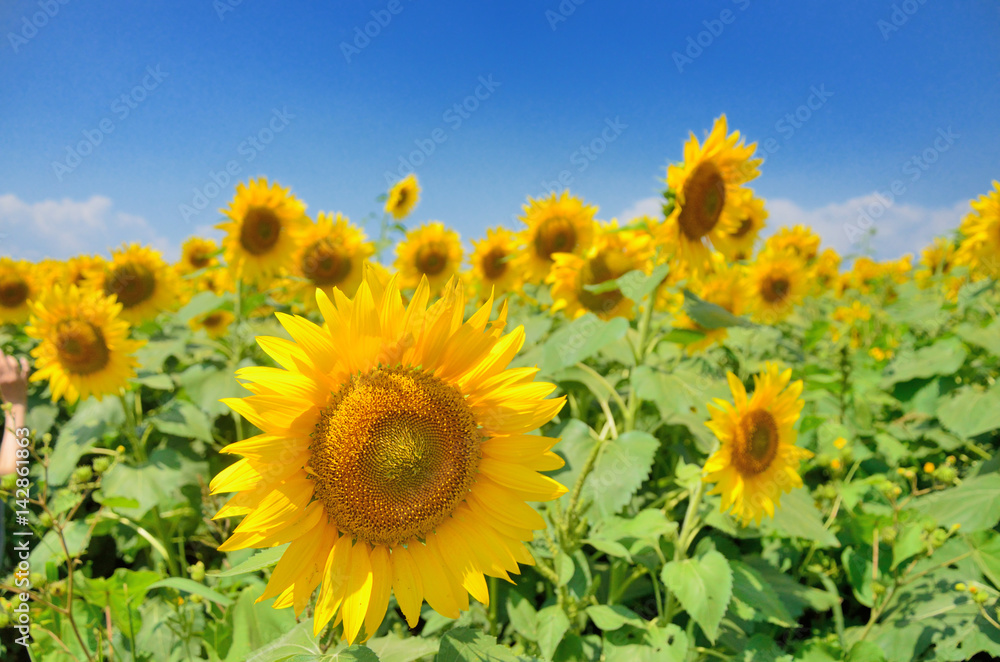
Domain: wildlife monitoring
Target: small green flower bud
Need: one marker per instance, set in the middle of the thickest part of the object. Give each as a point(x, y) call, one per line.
point(197, 571)
point(961, 588)
point(102, 464)
point(83, 474)
point(45, 520)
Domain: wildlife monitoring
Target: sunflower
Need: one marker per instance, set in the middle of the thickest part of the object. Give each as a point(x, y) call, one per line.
point(557, 224)
point(707, 194)
point(826, 270)
point(403, 197)
point(432, 250)
point(331, 254)
point(737, 243)
point(614, 253)
point(757, 459)
point(197, 254)
point(263, 233)
point(799, 240)
point(84, 349)
point(980, 249)
point(725, 287)
point(215, 323)
point(141, 281)
point(492, 270)
point(17, 289)
point(80, 271)
point(777, 283)
point(936, 260)
point(395, 456)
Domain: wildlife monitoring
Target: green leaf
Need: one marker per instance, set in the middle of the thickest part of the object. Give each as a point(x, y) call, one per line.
point(944, 357)
point(552, 626)
point(796, 597)
point(970, 412)
point(972, 505)
point(758, 596)
point(265, 634)
point(985, 546)
point(205, 385)
point(704, 588)
point(652, 644)
point(154, 380)
point(468, 645)
point(636, 284)
point(259, 561)
point(612, 617)
point(798, 517)
point(621, 468)
point(190, 586)
point(683, 336)
point(522, 616)
point(682, 398)
point(986, 337)
point(865, 651)
point(709, 315)
point(158, 482)
point(581, 338)
point(92, 420)
point(396, 648)
point(77, 536)
point(183, 419)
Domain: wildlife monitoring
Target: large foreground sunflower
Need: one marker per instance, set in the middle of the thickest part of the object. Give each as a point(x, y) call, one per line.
point(403, 197)
point(432, 251)
point(141, 281)
point(17, 288)
point(708, 203)
point(395, 456)
point(980, 249)
point(84, 349)
point(331, 254)
point(263, 231)
point(492, 267)
point(557, 224)
point(757, 459)
point(614, 253)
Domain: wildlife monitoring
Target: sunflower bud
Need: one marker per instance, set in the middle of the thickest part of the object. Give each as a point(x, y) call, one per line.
point(197, 571)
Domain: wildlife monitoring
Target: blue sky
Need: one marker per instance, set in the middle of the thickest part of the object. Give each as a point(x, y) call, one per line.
point(173, 93)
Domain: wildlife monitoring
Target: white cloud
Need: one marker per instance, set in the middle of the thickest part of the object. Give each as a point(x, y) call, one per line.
point(645, 207)
point(63, 228)
point(899, 228)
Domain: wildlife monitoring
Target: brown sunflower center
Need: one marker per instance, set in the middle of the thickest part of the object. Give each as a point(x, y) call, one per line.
point(745, 226)
point(131, 283)
point(13, 293)
point(494, 263)
point(200, 259)
point(431, 259)
point(555, 235)
point(775, 288)
point(704, 198)
point(213, 320)
point(325, 264)
point(260, 231)
point(81, 347)
point(393, 454)
point(401, 197)
point(596, 272)
point(756, 442)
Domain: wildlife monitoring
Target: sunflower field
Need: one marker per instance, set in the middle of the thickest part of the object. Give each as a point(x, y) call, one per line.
point(655, 439)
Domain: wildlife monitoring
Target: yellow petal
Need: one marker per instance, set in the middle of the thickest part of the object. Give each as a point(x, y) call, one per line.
point(358, 592)
point(406, 584)
point(335, 576)
point(381, 584)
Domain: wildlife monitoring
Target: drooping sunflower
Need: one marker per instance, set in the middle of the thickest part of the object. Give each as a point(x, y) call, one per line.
point(799, 240)
point(980, 248)
point(331, 254)
point(615, 253)
point(141, 281)
point(556, 224)
point(85, 349)
point(215, 323)
point(432, 250)
point(777, 283)
point(403, 197)
point(738, 244)
point(395, 456)
point(491, 259)
point(757, 459)
point(17, 289)
point(706, 186)
point(263, 231)
point(197, 253)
